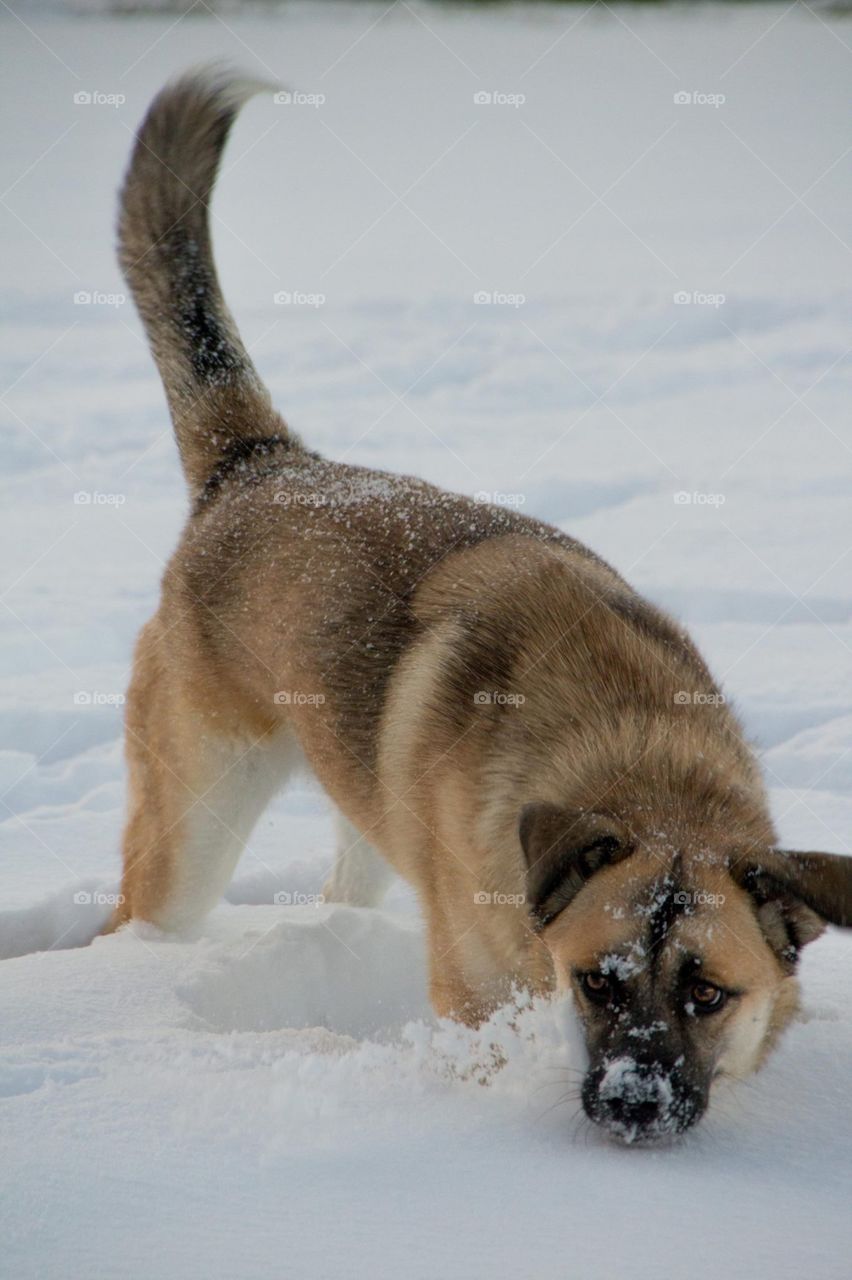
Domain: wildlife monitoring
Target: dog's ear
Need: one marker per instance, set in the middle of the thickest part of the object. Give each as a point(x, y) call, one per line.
point(563, 850)
point(796, 895)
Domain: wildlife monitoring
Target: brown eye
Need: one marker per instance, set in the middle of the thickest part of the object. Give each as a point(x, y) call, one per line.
point(706, 997)
point(596, 987)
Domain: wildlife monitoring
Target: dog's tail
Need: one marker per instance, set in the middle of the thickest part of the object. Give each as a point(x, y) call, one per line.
point(218, 404)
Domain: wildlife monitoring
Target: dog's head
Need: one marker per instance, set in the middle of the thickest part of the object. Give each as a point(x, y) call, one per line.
point(681, 961)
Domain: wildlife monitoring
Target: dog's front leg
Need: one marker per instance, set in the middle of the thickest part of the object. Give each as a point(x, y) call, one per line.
point(465, 982)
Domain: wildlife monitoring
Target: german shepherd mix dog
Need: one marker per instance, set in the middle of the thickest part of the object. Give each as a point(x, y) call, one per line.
point(492, 709)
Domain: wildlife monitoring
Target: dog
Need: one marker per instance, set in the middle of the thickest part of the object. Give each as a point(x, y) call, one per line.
point(496, 715)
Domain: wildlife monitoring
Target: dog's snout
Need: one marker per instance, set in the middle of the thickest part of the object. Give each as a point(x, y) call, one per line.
point(639, 1101)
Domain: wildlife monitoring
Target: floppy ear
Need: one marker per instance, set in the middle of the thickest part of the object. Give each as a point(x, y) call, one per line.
point(563, 850)
point(796, 895)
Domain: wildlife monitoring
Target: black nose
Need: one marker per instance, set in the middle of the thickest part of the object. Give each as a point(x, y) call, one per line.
point(623, 1112)
point(637, 1100)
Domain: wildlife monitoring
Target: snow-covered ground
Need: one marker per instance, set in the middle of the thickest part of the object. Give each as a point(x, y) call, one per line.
point(273, 1098)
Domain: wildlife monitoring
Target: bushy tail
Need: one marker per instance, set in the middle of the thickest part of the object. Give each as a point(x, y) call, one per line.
point(217, 401)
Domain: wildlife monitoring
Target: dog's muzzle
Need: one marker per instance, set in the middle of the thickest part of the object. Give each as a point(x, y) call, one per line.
point(641, 1101)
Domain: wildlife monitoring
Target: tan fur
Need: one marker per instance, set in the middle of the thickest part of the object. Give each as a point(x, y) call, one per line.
point(439, 663)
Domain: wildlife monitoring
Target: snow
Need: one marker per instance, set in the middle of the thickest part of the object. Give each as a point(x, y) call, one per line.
point(273, 1096)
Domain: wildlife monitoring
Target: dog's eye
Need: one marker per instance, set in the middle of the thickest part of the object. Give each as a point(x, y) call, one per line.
point(596, 987)
point(706, 997)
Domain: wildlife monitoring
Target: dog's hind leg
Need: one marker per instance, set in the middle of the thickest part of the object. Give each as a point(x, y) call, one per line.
point(198, 783)
point(361, 875)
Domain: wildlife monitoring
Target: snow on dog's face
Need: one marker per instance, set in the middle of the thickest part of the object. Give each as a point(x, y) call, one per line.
point(681, 962)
